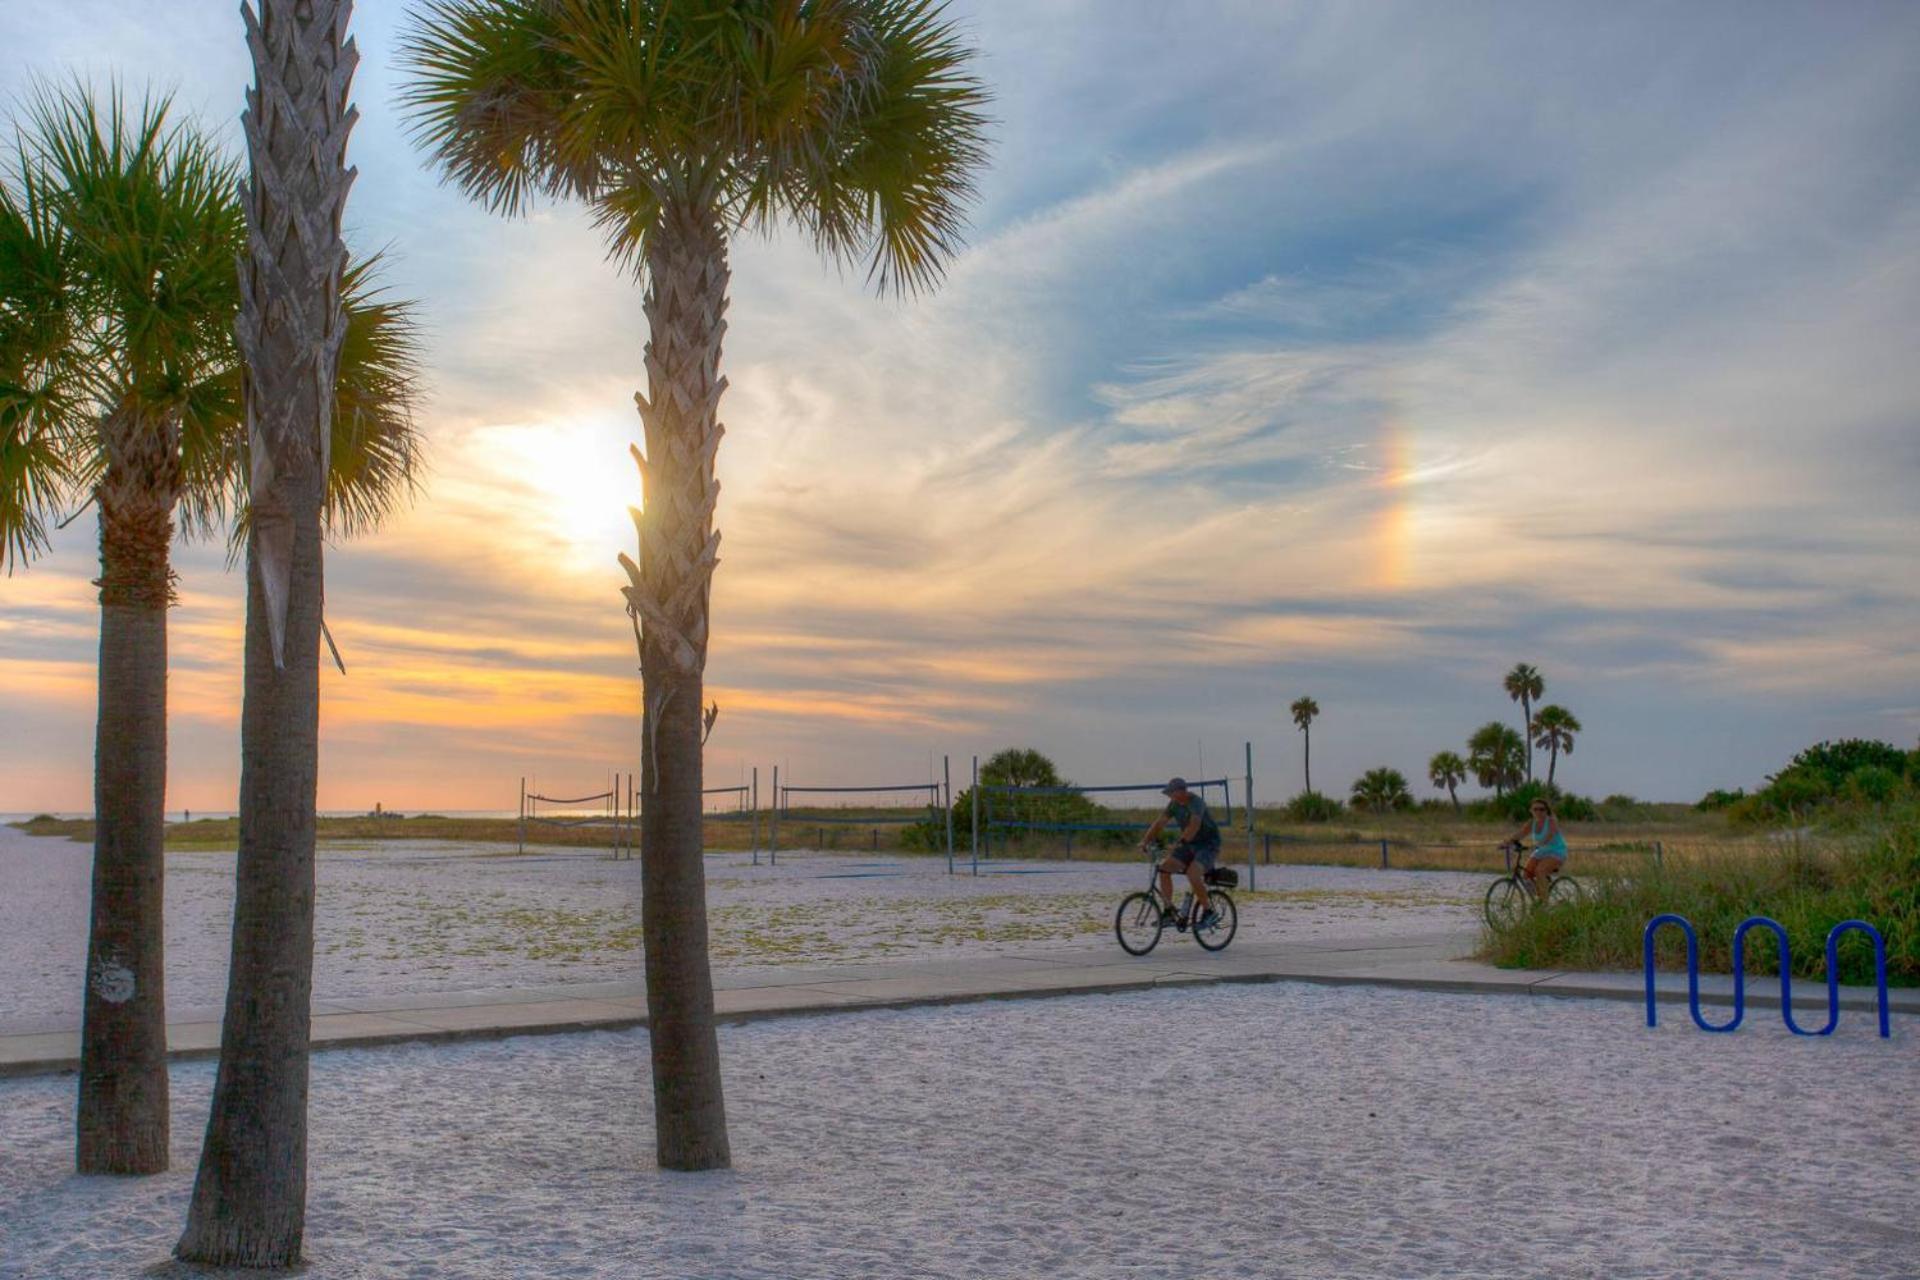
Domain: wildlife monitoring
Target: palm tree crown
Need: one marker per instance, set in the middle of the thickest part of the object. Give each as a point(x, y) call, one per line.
point(1496, 755)
point(1304, 710)
point(119, 228)
point(1554, 728)
point(1525, 685)
point(857, 119)
point(1447, 771)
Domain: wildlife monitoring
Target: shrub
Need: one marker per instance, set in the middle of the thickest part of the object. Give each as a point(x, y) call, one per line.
point(1623, 808)
point(1311, 806)
point(1513, 807)
point(1015, 767)
point(1835, 762)
point(1872, 784)
point(1380, 790)
point(1717, 799)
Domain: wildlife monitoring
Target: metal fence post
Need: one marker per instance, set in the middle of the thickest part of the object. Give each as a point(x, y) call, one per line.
point(773, 822)
point(976, 815)
point(946, 797)
point(1383, 853)
point(1249, 803)
point(1659, 854)
point(523, 815)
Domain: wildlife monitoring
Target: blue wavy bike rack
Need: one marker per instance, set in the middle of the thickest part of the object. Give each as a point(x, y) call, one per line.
point(1786, 971)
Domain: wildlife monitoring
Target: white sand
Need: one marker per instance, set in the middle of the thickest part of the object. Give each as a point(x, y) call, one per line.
point(1347, 1132)
point(422, 916)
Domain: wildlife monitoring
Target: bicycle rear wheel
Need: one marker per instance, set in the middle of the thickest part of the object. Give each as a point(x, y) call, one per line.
point(1507, 901)
point(1217, 935)
point(1563, 890)
point(1137, 923)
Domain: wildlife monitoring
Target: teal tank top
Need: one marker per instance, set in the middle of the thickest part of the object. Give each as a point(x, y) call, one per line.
point(1554, 848)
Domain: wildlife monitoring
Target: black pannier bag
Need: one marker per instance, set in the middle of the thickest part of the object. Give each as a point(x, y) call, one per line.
point(1223, 877)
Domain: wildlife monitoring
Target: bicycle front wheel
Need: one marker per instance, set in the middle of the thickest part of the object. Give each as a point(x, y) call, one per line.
point(1137, 924)
point(1563, 890)
point(1217, 935)
point(1507, 901)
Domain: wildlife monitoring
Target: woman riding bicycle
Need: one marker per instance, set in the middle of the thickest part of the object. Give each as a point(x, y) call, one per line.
point(1549, 846)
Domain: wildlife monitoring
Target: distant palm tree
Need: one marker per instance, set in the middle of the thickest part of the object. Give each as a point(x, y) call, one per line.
point(1554, 728)
point(1447, 771)
point(1381, 789)
point(680, 124)
point(1304, 710)
point(1496, 754)
point(120, 380)
point(1524, 684)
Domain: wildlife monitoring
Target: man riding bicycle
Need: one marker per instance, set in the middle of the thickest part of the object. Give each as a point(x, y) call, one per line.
point(1198, 849)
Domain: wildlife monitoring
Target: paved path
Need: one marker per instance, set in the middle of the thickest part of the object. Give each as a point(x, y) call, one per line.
point(1430, 961)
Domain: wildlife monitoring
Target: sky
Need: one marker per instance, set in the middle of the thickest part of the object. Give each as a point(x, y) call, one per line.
point(1349, 350)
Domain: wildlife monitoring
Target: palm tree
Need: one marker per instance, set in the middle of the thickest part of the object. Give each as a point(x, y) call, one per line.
point(249, 1195)
point(119, 227)
point(1447, 771)
point(1304, 710)
point(1495, 754)
point(1554, 728)
point(1381, 789)
point(1524, 685)
point(681, 124)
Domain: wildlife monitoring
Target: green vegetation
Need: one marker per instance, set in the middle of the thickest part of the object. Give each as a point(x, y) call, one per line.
point(1381, 790)
point(1019, 767)
point(1829, 782)
point(1447, 771)
point(1808, 889)
point(1863, 863)
point(1497, 756)
point(1553, 730)
point(1311, 806)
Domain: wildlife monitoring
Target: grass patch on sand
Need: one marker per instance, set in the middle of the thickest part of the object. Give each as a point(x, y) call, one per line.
point(1807, 887)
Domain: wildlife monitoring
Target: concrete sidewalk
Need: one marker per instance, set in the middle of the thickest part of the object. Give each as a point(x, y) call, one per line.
point(1430, 962)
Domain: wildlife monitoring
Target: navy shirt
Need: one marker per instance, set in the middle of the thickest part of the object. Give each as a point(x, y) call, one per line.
point(1179, 815)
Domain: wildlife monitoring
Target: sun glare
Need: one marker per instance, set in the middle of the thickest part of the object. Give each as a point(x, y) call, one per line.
point(583, 482)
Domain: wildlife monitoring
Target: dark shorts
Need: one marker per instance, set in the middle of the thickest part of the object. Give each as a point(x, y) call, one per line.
point(1187, 854)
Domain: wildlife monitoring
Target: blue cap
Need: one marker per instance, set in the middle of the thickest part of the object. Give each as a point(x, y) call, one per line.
point(1174, 787)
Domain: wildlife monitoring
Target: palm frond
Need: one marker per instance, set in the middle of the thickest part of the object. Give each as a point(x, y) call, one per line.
point(487, 96)
point(40, 404)
point(377, 449)
point(151, 205)
point(914, 138)
point(860, 120)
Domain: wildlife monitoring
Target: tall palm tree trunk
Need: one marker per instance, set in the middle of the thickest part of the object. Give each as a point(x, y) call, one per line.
point(123, 1122)
point(1453, 795)
point(1553, 762)
point(685, 306)
point(1526, 731)
point(249, 1198)
point(1306, 755)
